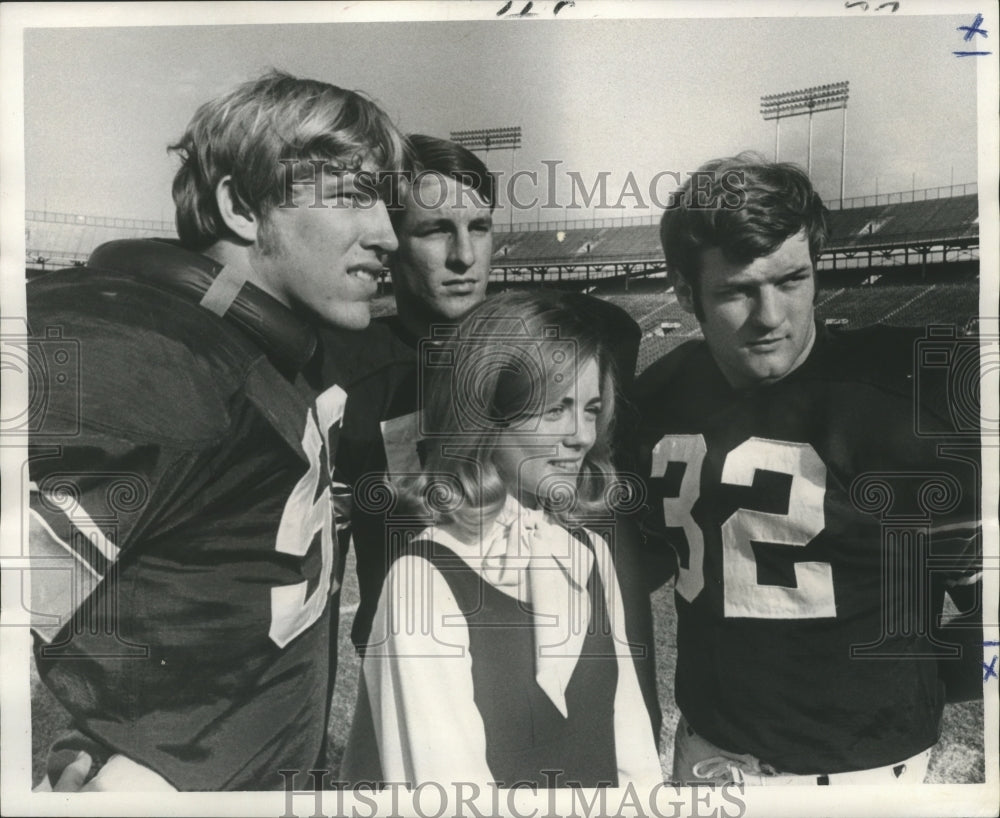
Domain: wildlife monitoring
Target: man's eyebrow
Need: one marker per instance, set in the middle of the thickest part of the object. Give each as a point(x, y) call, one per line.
point(733, 283)
point(429, 220)
point(739, 282)
point(796, 272)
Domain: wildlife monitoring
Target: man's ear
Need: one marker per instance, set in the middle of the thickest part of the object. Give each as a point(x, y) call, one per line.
point(685, 296)
point(234, 214)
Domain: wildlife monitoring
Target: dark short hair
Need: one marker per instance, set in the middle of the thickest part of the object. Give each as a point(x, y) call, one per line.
point(430, 154)
point(746, 207)
point(247, 133)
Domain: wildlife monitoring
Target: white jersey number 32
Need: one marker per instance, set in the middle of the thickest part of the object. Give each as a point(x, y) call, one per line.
point(813, 595)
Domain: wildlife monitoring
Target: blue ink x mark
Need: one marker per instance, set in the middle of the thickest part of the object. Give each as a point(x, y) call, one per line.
point(973, 29)
point(991, 670)
point(970, 32)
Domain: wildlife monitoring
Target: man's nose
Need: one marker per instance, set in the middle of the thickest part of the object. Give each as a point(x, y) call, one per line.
point(380, 235)
point(768, 311)
point(462, 254)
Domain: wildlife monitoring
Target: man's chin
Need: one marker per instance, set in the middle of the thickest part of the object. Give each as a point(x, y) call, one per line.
point(355, 319)
point(454, 309)
point(757, 371)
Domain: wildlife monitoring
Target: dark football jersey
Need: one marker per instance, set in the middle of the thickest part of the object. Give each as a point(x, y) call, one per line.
point(181, 489)
point(379, 437)
point(814, 520)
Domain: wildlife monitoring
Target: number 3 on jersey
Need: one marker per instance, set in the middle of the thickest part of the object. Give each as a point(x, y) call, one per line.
point(308, 512)
point(813, 594)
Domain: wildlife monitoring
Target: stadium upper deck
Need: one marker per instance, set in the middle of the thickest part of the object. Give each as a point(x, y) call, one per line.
point(929, 222)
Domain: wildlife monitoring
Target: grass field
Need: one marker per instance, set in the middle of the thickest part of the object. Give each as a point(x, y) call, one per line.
point(958, 757)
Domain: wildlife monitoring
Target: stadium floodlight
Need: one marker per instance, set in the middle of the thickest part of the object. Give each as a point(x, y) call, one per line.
point(491, 139)
point(809, 101)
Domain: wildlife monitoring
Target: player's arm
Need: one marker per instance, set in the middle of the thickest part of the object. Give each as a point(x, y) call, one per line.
point(655, 550)
point(92, 498)
point(957, 551)
point(89, 499)
point(417, 672)
point(949, 457)
point(957, 539)
point(962, 675)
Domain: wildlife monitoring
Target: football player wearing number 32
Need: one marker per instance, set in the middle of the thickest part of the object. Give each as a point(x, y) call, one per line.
point(182, 473)
point(780, 455)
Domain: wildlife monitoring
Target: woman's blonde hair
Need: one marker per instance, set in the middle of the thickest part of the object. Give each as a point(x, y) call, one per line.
point(493, 370)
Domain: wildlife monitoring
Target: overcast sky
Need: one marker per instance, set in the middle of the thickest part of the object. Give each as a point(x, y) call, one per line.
point(635, 96)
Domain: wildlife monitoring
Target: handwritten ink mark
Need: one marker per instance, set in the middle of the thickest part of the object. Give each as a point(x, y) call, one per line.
point(857, 3)
point(561, 5)
point(991, 644)
point(895, 7)
point(974, 29)
point(991, 670)
point(505, 10)
point(970, 32)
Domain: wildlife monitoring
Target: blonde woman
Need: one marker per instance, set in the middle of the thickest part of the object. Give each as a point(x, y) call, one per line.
point(498, 651)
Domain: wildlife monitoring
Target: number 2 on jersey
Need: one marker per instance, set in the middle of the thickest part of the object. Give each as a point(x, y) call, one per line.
point(813, 594)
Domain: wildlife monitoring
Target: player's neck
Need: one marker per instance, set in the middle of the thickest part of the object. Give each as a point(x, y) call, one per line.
point(418, 325)
point(236, 259)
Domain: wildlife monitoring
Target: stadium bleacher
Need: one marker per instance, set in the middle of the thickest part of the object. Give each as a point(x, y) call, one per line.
point(898, 223)
point(579, 244)
point(62, 239)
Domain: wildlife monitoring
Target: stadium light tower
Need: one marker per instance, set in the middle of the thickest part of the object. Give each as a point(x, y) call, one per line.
point(809, 101)
point(491, 139)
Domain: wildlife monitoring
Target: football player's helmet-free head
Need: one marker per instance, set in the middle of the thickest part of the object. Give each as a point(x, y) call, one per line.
point(745, 206)
point(261, 132)
point(432, 155)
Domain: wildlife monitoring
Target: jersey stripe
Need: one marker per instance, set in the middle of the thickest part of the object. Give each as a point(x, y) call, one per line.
point(61, 580)
point(82, 521)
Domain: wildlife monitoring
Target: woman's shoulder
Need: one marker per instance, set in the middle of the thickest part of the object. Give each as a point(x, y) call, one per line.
point(434, 545)
point(426, 565)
